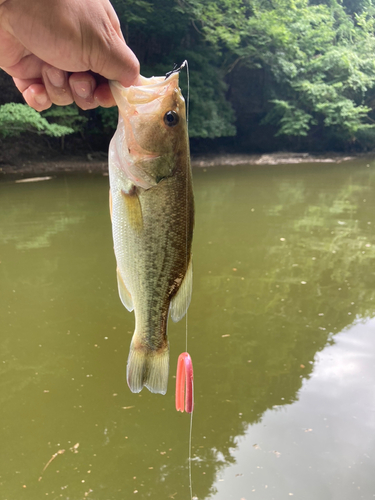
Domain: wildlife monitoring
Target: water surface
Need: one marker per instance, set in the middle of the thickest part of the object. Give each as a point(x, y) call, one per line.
point(281, 333)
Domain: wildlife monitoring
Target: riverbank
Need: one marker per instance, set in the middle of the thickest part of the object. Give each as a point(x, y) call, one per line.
point(98, 163)
point(268, 159)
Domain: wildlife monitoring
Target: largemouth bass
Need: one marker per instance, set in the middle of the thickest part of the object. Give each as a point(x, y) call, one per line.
point(152, 212)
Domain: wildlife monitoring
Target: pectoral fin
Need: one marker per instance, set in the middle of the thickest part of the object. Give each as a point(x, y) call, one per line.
point(181, 301)
point(124, 293)
point(133, 209)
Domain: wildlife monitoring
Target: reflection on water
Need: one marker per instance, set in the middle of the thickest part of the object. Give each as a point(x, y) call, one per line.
point(280, 332)
point(321, 447)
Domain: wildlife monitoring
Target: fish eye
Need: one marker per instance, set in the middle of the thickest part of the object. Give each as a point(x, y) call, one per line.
point(171, 118)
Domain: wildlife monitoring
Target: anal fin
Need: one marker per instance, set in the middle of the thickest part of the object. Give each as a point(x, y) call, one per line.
point(181, 301)
point(124, 293)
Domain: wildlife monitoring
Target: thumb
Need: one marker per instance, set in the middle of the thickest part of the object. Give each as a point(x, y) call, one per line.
point(120, 64)
point(115, 60)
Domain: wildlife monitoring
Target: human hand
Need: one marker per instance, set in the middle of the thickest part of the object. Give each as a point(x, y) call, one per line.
point(60, 51)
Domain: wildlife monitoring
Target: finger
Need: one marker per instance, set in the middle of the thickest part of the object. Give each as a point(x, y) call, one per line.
point(22, 83)
point(37, 97)
point(57, 85)
point(103, 96)
point(83, 86)
point(112, 58)
point(122, 64)
point(34, 94)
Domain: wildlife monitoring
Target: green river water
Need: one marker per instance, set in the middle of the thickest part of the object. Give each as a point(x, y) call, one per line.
point(281, 331)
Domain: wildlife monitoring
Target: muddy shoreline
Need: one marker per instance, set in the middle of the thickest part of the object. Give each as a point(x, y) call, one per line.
point(93, 165)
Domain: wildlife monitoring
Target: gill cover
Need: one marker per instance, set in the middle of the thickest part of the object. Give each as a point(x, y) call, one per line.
point(151, 116)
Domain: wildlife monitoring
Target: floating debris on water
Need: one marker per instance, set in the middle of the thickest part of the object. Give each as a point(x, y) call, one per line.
point(33, 179)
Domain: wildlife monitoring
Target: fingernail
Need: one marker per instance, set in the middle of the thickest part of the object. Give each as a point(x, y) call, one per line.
point(41, 99)
point(83, 89)
point(56, 77)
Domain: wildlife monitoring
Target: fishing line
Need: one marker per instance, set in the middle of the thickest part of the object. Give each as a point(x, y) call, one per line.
point(177, 69)
point(183, 65)
point(190, 440)
point(191, 415)
point(186, 64)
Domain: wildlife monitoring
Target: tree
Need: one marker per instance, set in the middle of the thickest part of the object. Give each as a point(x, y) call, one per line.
point(320, 59)
point(16, 119)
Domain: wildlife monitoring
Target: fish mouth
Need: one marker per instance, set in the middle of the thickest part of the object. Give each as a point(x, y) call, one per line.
point(147, 90)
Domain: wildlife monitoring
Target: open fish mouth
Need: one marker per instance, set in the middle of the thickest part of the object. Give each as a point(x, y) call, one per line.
point(148, 90)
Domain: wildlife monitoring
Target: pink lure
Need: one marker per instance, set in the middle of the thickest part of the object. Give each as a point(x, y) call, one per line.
point(184, 378)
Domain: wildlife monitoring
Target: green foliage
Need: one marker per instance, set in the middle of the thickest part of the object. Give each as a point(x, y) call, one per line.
point(133, 11)
point(291, 120)
point(67, 116)
point(108, 118)
point(16, 119)
point(353, 7)
point(210, 113)
point(320, 58)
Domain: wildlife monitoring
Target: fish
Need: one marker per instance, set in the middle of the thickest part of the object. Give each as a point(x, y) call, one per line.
point(152, 212)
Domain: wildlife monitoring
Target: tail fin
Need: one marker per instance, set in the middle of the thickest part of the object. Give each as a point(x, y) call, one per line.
point(148, 368)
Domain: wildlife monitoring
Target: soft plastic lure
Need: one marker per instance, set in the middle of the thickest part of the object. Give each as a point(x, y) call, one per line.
point(184, 379)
